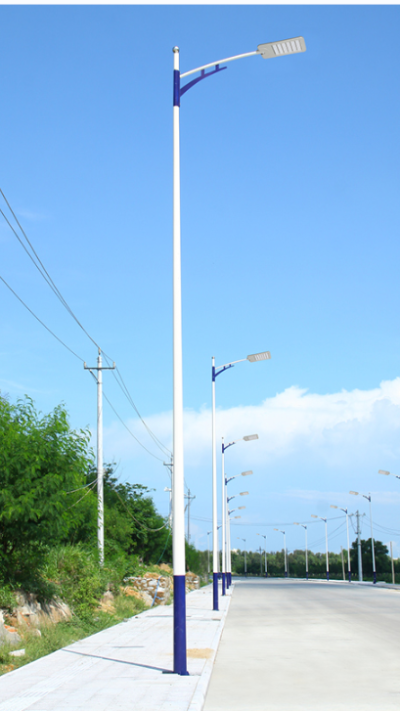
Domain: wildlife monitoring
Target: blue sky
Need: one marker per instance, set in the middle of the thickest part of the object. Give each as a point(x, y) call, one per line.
point(290, 242)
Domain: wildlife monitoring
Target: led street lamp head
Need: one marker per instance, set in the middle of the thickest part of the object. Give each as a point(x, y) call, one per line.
point(270, 50)
point(314, 516)
point(333, 507)
point(382, 471)
point(244, 493)
point(248, 438)
point(354, 492)
point(247, 473)
point(255, 357)
point(240, 508)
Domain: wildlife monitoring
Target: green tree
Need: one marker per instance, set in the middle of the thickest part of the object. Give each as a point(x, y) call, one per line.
point(41, 461)
point(382, 558)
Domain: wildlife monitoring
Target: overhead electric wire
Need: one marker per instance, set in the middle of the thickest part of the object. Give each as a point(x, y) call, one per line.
point(47, 278)
point(121, 383)
point(40, 321)
point(127, 428)
point(82, 487)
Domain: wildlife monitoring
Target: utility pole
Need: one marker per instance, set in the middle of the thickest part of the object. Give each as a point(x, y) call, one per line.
point(360, 573)
point(189, 499)
point(100, 472)
point(169, 466)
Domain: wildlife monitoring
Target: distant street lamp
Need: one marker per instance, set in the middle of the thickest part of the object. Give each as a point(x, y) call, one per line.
point(228, 529)
point(284, 548)
point(368, 497)
point(305, 529)
point(215, 371)
point(265, 552)
point(348, 539)
point(229, 551)
point(326, 542)
point(247, 438)
point(245, 561)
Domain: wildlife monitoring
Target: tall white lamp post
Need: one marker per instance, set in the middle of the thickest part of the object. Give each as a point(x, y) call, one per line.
point(348, 539)
point(326, 542)
point(265, 553)
point(284, 548)
point(305, 529)
point(368, 497)
point(267, 51)
point(248, 438)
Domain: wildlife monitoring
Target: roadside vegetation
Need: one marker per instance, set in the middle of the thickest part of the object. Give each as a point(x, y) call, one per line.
point(48, 530)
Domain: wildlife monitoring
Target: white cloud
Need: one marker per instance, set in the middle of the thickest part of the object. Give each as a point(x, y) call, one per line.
point(332, 427)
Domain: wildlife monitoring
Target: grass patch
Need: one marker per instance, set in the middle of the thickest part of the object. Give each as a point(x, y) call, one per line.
point(56, 636)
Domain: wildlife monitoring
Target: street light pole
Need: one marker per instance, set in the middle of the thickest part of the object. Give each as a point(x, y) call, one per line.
point(368, 497)
point(215, 371)
point(247, 438)
point(223, 560)
point(326, 543)
point(178, 492)
point(268, 50)
point(284, 548)
point(348, 539)
point(265, 552)
point(228, 528)
point(305, 529)
point(245, 561)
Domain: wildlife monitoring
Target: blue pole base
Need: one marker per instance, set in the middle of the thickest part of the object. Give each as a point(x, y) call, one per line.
point(223, 583)
point(327, 575)
point(374, 578)
point(180, 665)
point(285, 573)
point(349, 576)
point(266, 575)
point(307, 575)
point(215, 591)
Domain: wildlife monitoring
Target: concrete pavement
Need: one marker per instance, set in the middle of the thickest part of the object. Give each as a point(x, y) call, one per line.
point(124, 668)
point(295, 646)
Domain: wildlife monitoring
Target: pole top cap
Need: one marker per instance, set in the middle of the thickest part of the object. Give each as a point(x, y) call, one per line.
point(175, 49)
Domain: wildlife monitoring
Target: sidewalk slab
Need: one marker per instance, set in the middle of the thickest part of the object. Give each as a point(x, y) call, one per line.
point(125, 667)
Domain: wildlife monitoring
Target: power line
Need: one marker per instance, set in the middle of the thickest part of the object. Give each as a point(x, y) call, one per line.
point(131, 433)
point(121, 383)
point(48, 279)
point(43, 271)
point(40, 321)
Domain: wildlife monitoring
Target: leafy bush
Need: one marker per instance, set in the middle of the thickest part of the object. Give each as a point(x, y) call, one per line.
point(7, 599)
point(79, 577)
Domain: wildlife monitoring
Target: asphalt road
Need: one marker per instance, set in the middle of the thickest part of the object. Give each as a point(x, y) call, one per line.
point(295, 645)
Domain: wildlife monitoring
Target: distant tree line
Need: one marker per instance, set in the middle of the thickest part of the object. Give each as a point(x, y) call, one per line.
point(317, 563)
